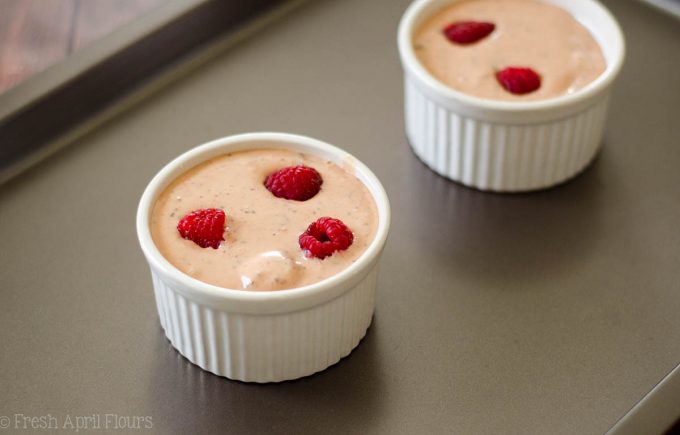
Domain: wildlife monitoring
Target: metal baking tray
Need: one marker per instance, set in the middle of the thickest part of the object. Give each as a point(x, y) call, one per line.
point(553, 312)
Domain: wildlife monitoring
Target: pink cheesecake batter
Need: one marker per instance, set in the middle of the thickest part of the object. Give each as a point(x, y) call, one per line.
point(528, 33)
point(261, 250)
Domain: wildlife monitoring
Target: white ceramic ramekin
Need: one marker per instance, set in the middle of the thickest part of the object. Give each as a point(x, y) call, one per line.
point(266, 336)
point(507, 146)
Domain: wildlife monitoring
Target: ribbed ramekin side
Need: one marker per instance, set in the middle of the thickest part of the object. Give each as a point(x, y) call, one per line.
point(506, 157)
point(266, 348)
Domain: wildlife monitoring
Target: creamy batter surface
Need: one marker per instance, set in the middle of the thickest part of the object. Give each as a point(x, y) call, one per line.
point(528, 33)
point(261, 250)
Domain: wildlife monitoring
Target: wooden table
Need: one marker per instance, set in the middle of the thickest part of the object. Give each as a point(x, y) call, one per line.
point(35, 34)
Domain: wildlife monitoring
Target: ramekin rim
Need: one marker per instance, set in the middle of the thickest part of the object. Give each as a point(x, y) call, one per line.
point(159, 262)
point(412, 65)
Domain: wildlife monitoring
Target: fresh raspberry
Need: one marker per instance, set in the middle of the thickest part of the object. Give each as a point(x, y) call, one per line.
point(205, 227)
point(325, 236)
point(519, 80)
point(294, 182)
point(467, 32)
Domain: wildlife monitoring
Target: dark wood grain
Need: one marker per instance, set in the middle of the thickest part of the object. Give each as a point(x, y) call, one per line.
point(35, 34)
point(96, 18)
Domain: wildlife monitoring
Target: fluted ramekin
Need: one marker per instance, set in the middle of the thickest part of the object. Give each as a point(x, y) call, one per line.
point(507, 146)
point(264, 336)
